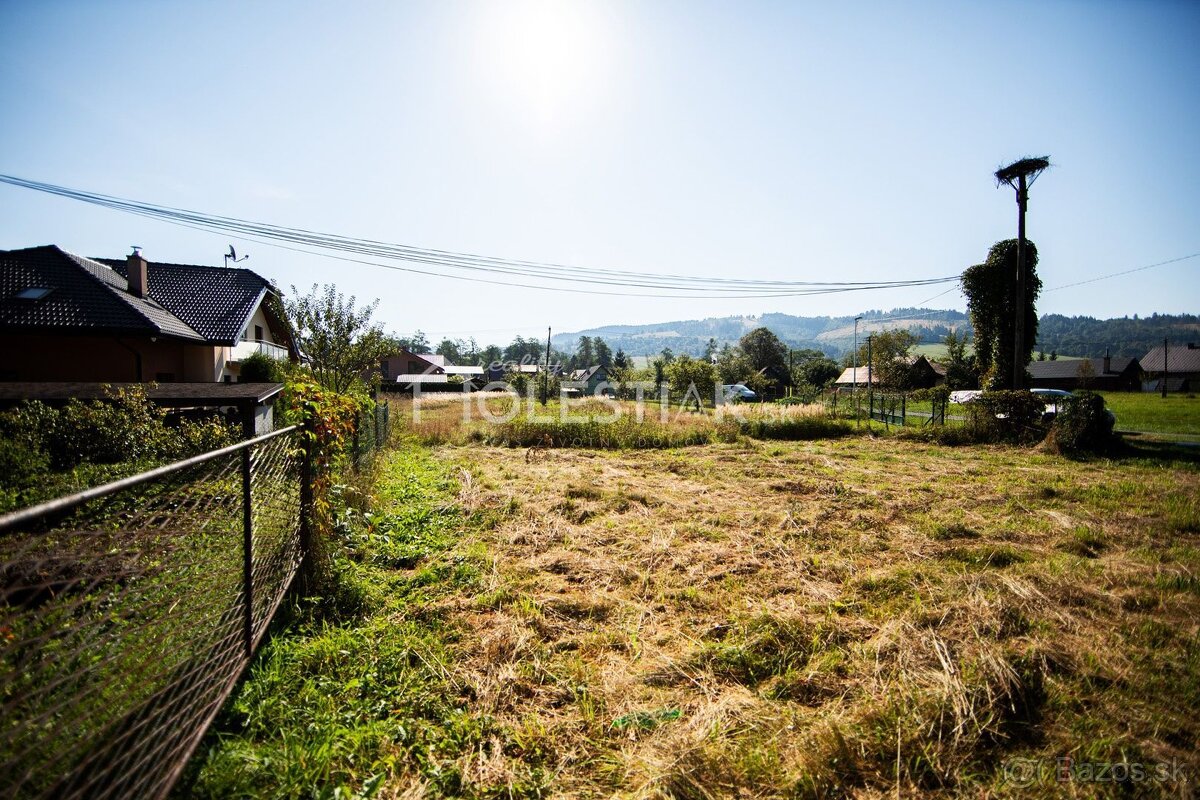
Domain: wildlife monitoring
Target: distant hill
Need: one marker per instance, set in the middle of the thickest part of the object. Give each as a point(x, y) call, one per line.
point(1068, 336)
point(834, 335)
point(1126, 336)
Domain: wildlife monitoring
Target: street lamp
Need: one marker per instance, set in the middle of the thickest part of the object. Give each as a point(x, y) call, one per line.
point(1020, 175)
point(854, 373)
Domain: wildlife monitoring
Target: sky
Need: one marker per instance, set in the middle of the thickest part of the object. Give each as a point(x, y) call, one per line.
point(766, 140)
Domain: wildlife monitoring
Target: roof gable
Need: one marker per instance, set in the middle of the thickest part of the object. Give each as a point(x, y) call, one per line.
point(84, 296)
point(1180, 358)
point(217, 302)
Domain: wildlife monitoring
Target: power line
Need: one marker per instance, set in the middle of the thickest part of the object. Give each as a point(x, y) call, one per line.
point(542, 271)
point(1125, 272)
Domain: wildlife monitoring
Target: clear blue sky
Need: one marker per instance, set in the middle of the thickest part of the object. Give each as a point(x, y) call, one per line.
point(768, 140)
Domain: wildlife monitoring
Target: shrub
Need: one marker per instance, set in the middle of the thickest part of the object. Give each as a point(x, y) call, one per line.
point(126, 427)
point(796, 428)
point(37, 441)
point(1007, 416)
point(259, 368)
point(1082, 425)
point(21, 464)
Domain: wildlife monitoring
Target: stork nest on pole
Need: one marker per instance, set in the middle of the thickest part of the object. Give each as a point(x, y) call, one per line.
point(1030, 167)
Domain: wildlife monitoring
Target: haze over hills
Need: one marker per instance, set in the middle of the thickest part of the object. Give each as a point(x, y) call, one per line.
point(834, 335)
point(1079, 336)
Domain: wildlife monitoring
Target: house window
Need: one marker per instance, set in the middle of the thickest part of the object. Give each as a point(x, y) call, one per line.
point(258, 333)
point(32, 293)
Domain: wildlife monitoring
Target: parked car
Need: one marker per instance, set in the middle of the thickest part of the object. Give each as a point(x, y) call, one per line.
point(1053, 398)
point(738, 393)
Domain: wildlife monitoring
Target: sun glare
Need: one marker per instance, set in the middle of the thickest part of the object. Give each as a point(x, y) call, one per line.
point(545, 59)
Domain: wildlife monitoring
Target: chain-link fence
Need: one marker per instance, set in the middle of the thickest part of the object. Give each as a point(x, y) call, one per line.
point(128, 611)
point(371, 431)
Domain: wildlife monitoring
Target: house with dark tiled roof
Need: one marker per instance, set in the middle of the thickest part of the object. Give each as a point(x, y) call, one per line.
point(64, 317)
point(1178, 365)
point(1103, 374)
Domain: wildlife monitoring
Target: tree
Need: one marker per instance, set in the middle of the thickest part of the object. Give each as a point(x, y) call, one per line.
point(532, 351)
point(584, 354)
point(710, 350)
point(603, 355)
point(733, 366)
point(667, 355)
point(691, 378)
point(417, 343)
point(764, 350)
point(888, 357)
point(989, 288)
point(1085, 374)
point(814, 368)
point(338, 338)
point(620, 360)
point(960, 368)
point(452, 349)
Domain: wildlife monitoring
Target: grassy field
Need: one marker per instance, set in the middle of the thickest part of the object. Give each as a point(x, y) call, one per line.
point(1150, 413)
point(860, 617)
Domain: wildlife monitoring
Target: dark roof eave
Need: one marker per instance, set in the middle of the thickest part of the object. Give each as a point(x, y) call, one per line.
point(146, 333)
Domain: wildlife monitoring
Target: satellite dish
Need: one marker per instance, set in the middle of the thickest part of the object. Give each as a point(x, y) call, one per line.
point(233, 256)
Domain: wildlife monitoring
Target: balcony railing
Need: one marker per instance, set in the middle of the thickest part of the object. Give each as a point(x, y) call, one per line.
point(242, 350)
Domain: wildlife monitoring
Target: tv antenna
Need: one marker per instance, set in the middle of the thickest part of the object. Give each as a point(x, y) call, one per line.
point(233, 256)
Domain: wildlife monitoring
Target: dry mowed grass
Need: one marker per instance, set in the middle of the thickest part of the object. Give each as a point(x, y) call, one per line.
point(860, 616)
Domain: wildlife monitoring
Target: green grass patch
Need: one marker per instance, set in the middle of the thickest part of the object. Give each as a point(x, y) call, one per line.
point(348, 693)
point(1149, 412)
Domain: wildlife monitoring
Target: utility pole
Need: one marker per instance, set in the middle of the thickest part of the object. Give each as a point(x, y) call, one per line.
point(546, 377)
point(1020, 175)
point(791, 368)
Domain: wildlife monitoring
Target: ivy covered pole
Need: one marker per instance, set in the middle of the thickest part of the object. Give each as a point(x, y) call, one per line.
point(1020, 175)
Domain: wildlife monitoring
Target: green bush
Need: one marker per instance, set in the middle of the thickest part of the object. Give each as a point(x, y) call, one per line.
point(128, 427)
point(1082, 425)
point(21, 464)
point(796, 428)
point(259, 368)
point(40, 446)
point(1007, 416)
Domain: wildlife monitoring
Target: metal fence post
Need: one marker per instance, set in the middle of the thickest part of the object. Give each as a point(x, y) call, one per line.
point(248, 550)
point(308, 438)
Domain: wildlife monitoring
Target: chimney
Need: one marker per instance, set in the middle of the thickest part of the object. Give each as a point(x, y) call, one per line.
point(139, 284)
point(1107, 362)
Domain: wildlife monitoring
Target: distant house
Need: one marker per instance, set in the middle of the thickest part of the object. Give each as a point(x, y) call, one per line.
point(922, 374)
point(590, 377)
point(64, 317)
point(852, 376)
point(778, 380)
point(1178, 365)
point(1108, 374)
point(925, 374)
point(427, 371)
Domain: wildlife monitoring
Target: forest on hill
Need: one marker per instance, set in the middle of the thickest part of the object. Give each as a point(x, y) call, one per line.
point(1124, 336)
point(1074, 336)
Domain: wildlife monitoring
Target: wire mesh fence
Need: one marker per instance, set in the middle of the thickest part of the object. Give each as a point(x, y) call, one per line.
point(127, 613)
point(371, 431)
